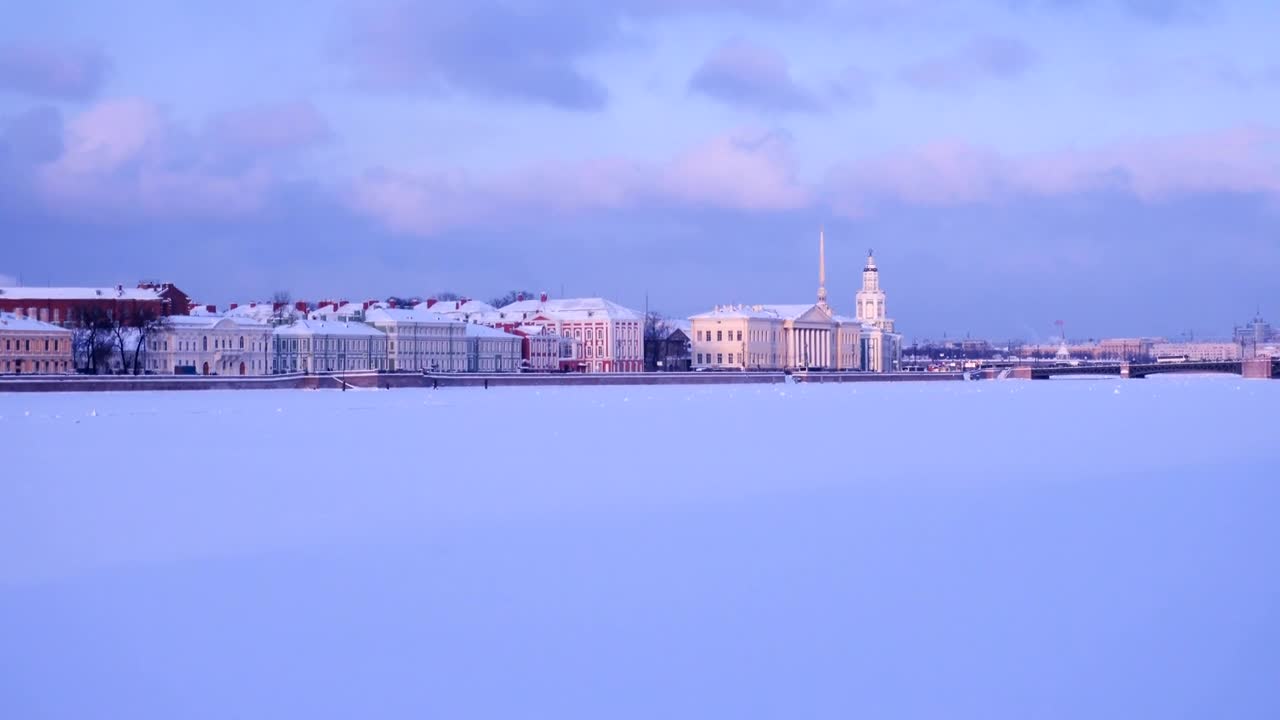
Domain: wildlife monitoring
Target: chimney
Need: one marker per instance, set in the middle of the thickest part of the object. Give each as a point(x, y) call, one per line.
point(301, 306)
point(212, 309)
point(365, 305)
point(235, 305)
point(431, 302)
point(277, 306)
point(519, 297)
point(253, 304)
point(544, 296)
point(120, 290)
point(391, 303)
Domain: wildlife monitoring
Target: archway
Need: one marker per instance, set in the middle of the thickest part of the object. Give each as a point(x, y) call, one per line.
point(206, 368)
point(241, 368)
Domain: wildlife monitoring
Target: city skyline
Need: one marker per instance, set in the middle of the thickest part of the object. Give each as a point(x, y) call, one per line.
point(1012, 162)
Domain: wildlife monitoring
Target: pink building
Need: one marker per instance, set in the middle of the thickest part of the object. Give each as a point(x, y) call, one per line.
point(611, 336)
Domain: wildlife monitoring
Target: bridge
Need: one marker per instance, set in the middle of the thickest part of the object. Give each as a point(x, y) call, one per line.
point(1254, 368)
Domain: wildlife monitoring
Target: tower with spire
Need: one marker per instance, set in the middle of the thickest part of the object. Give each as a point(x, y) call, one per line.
point(870, 301)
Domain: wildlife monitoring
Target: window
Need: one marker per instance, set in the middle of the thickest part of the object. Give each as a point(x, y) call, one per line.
point(719, 358)
point(719, 335)
point(739, 336)
point(730, 358)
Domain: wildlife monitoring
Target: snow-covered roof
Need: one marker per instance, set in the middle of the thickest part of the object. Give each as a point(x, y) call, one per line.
point(404, 315)
point(261, 312)
point(78, 293)
point(181, 322)
point(12, 323)
point(455, 306)
point(763, 312)
point(328, 327)
point(330, 311)
point(476, 330)
point(593, 308)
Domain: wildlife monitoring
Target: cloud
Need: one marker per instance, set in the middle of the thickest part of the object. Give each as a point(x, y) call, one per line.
point(748, 75)
point(1237, 161)
point(52, 73)
point(526, 52)
point(966, 67)
point(513, 50)
point(270, 128)
point(743, 171)
point(127, 158)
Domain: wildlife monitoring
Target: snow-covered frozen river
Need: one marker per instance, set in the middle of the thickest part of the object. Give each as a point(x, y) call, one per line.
point(1061, 549)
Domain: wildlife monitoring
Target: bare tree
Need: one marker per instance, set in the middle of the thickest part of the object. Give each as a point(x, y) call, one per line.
point(656, 331)
point(282, 310)
point(448, 296)
point(510, 297)
point(92, 341)
point(146, 324)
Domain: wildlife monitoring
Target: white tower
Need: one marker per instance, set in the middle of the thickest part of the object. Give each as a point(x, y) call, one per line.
point(870, 299)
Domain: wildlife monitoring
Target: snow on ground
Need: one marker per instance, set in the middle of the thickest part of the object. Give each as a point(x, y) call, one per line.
point(1061, 549)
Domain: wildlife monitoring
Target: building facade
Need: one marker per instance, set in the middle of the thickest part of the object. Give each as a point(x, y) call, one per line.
point(1198, 351)
point(32, 347)
point(609, 336)
point(315, 346)
point(420, 340)
point(490, 350)
point(209, 345)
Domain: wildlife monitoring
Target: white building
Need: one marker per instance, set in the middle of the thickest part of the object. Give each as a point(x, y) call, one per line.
point(491, 350)
point(209, 345)
point(419, 340)
point(315, 346)
point(796, 337)
point(610, 336)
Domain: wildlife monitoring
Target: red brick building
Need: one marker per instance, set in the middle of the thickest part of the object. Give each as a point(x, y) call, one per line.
point(60, 305)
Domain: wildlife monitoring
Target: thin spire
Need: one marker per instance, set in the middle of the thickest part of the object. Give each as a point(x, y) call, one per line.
point(822, 266)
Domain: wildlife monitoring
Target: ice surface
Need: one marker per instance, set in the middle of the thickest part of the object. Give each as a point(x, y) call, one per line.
point(1060, 549)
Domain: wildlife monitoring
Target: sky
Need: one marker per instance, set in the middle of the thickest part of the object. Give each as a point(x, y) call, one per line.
point(1114, 164)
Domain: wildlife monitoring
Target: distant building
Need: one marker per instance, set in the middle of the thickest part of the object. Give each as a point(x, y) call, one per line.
point(1254, 336)
point(1198, 351)
point(62, 305)
point(313, 346)
point(419, 340)
point(210, 345)
point(1124, 348)
point(30, 346)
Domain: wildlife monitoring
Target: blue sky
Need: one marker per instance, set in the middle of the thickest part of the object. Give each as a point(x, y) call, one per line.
point(1111, 163)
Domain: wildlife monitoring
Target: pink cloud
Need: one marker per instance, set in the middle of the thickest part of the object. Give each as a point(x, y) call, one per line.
point(126, 157)
point(738, 171)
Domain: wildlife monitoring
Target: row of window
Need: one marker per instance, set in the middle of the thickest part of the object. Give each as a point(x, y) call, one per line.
point(24, 345)
point(36, 366)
